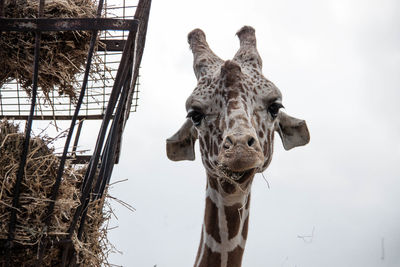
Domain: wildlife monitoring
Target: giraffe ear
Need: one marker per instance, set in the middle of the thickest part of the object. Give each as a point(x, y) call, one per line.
point(180, 146)
point(293, 132)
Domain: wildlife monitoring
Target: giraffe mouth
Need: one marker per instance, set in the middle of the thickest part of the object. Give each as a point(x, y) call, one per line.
point(236, 176)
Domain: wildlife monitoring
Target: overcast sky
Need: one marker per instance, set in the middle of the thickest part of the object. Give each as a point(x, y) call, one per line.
point(337, 64)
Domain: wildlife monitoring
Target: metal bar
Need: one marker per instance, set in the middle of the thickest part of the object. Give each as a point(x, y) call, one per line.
point(82, 223)
point(123, 15)
point(2, 12)
point(69, 107)
point(66, 24)
point(117, 87)
point(19, 103)
point(119, 7)
point(104, 75)
point(112, 45)
point(121, 74)
point(64, 257)
point(1, 101)
point(107, 158)
point(136, 98)
point(112, 143)
point(80, 159)
point(108, 154)
point(24, 153)
point(77, 135)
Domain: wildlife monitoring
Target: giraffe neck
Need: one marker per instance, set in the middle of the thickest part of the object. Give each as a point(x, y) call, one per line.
point(225, 226)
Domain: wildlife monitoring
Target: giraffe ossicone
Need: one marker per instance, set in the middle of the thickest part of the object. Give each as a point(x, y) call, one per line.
point(234, 112)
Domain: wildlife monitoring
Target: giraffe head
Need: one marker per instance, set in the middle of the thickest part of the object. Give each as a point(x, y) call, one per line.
point(234, 112)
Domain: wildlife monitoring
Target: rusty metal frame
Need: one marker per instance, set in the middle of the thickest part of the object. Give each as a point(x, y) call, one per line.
point(109, 138)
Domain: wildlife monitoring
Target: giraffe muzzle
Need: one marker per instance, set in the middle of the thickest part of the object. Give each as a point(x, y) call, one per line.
point(240, 153)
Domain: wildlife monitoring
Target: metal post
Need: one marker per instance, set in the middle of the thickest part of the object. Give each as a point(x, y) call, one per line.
point(77, 135)
point(28, 128)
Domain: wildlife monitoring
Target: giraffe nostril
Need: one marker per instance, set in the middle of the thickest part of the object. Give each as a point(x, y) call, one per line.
point(251, 141)
point(229, 140)
point(228, 143)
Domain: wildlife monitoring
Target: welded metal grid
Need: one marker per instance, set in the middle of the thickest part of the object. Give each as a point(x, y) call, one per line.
point(15, 101)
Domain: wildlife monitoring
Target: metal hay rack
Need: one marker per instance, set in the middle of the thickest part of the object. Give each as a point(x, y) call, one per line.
point(121, 31)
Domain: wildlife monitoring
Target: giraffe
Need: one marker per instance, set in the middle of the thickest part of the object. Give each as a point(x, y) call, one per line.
point(233, 112)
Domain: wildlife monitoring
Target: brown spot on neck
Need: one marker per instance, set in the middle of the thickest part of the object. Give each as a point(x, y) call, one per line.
point(210, 258)
point(233, 215)
point(211, 220)
point(235, 257)
point(212, 182)
point(228, 187)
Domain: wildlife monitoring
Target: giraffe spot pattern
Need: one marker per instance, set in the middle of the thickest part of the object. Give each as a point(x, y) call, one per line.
point(210, 258)
point(211, 220)
point(235, 257)
point(234, 213)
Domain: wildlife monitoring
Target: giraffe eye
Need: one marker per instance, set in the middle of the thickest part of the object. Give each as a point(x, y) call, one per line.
point(273, 109)
point(196, 117)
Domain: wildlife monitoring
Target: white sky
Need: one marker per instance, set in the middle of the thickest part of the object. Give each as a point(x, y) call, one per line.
point(337, 64)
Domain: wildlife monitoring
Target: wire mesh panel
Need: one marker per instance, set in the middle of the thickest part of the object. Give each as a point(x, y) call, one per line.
point(15, 101)
point(105, 89)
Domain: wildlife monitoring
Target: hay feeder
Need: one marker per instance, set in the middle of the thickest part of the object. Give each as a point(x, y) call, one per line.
point(98, 80)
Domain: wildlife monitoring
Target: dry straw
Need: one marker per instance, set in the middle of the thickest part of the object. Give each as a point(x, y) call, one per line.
point(40, 173)
point(62, 54)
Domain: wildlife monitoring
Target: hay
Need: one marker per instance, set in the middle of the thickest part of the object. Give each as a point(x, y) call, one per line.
point(62, 54)
point(40, 173)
